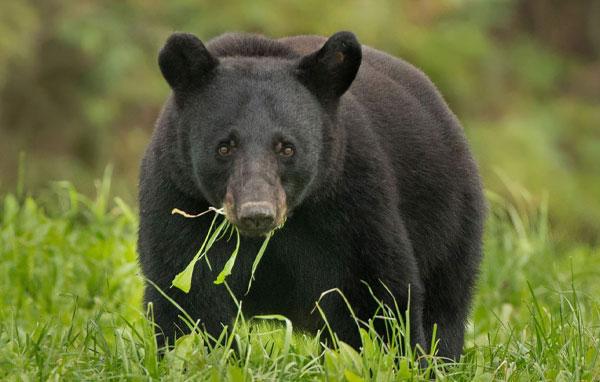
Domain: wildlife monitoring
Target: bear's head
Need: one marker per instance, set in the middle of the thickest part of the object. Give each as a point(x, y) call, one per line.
point(257, 132)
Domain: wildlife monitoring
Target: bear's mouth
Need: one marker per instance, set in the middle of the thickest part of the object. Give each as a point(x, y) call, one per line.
point(251, 233)
point(252, 228)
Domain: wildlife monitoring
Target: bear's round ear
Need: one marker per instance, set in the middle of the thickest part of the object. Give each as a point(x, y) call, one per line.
point(184, 61)
point(329, 72)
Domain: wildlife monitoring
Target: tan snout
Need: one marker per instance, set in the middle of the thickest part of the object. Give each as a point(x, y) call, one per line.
point(255, 200)
point(256, 217)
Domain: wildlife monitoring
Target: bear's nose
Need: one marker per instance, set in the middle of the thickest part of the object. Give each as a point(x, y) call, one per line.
point(257, 216)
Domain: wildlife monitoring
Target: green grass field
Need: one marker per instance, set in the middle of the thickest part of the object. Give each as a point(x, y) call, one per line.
point(70, 308)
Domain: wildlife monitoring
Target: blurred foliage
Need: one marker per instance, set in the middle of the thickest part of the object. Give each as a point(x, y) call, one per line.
point(80, 88)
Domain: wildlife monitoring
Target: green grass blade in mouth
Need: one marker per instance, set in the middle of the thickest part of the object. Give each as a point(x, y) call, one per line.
point(229, 264)
point(183, 280)
point(259, 256)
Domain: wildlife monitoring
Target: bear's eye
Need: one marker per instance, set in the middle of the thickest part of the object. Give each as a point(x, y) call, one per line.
point(226, 148)
point(285, 149)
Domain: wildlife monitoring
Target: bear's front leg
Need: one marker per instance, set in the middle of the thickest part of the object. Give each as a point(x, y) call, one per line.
point(387, 265)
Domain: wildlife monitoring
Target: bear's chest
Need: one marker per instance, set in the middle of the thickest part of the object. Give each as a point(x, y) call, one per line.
point(299, 265)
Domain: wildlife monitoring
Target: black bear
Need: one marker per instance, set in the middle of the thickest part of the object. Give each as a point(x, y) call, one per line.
point(354, 149)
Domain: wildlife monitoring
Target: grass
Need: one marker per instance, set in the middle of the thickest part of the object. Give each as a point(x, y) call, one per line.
point(70, 308)
point(223, 231)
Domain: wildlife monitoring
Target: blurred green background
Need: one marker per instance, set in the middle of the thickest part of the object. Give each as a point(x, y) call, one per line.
point(80, 87)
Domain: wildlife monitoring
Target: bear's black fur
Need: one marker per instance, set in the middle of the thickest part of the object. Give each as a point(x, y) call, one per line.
point(356, 148)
